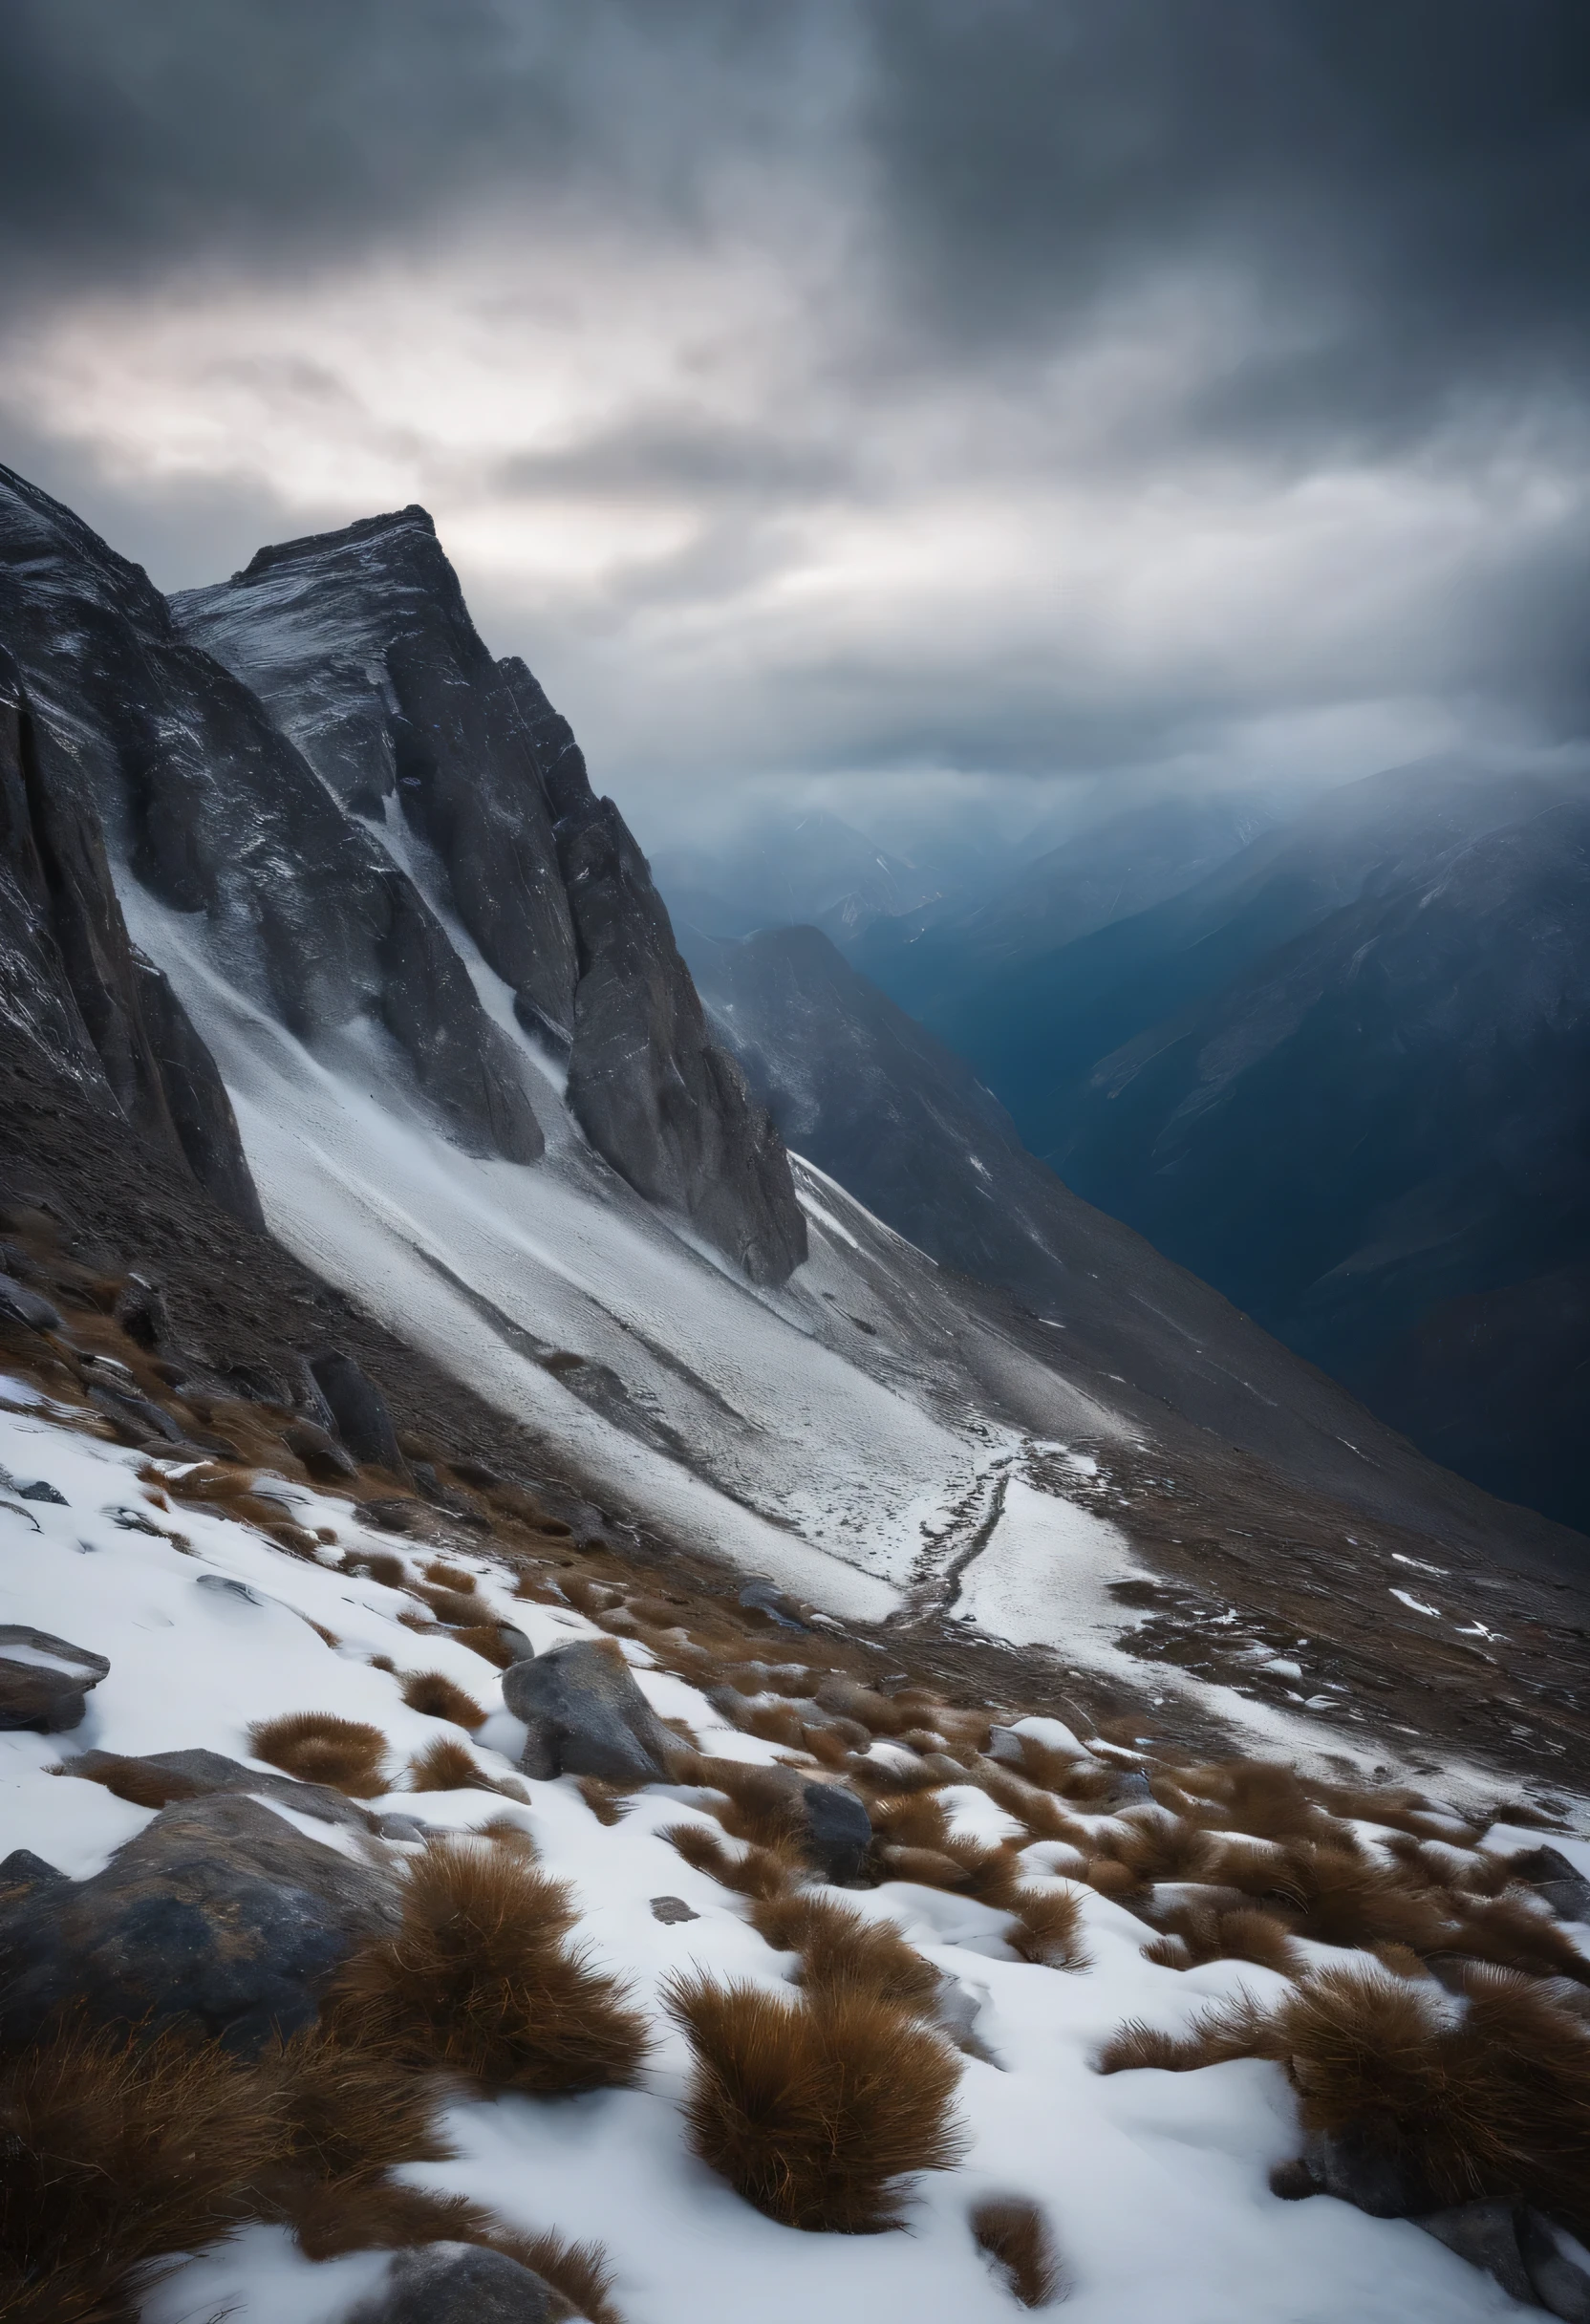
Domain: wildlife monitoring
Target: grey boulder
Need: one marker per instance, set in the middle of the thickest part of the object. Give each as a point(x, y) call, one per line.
point(220, 1914)
point(20, 1306)
point(585, 1716)
point(1550, 1874)
point(166, 1777)
point(45, 1681)
point(459, 2284)
point(359, 1407)
point(837, 1832)
point(1520, 2249)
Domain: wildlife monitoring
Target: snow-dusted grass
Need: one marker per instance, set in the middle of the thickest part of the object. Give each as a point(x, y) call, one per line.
point(1154, 2185)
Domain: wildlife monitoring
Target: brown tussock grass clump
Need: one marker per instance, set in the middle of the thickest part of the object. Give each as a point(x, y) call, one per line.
point(350, 2112)
point(838, 1948)
point(1015, 2236)
point(120, 2152)
point(459, 1610)
point(1490, 2102)
point(1037, 1807)
point(487, 1640)
point(606, 1801)
point(1201, 1932)
point(757, 1872)
point(1214, 2037)
point(814, 2110)
point(1340, 1897)
point(446, 1766)
point(433, 1693)
point(319, 1749)
point(381, 1566)
point(1154, 1846)
point(449, 1576)
point(1487, 2101)
point(924, 1867)
point(1048, 1927)
point(1510, 1933)
point(481, 1981)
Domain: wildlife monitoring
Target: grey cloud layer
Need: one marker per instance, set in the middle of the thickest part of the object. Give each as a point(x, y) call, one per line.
point(1355, 228)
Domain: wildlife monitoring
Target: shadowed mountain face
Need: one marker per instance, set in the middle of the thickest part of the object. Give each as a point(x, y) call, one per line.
point(931, 958)
point(1346, 1077)
point(878, 1103)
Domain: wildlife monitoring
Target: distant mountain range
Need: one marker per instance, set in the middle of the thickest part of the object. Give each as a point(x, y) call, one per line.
point(1338, 1067)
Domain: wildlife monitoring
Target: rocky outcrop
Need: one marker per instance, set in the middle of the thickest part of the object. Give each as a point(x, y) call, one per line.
point(45, 1681)
point(73, 988)
point(360, 646)
point(652, 1089)
point(214, 814)
point(449, 2283)
point(585, 1715)
point(220, 1912)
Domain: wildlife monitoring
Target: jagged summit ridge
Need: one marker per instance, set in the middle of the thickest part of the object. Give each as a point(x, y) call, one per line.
point(361, 647)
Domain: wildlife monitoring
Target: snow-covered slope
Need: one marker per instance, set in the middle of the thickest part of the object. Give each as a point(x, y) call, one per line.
point(844, 1432)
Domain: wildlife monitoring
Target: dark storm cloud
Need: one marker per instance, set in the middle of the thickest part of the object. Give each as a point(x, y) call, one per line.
point(1402, 186)
point(144, 132)
point(1341, 242)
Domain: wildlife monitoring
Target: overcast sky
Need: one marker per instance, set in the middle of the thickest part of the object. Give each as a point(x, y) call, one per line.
point(879, 399)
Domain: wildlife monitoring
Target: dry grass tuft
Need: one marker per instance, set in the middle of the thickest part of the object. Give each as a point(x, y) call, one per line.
point(1015, 2236)
point(481, 1981)
point(449, 1576)
point(815, 2110)
point(379, 1564)
point(487, 1640)
point(1491, 2102)
point(119, 2153)
point(838, 1948)
point(434, 1693)
point(1048, 1925)
point(1235, 2028)
point(759, 1872)
point(319, 1749)
point(350, 2112)
point(581, 2272)
point(446, 1766)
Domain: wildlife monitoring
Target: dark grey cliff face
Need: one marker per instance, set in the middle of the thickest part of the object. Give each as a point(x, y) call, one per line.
point(76, 995)
point(216, 814)
point(650, 1087)
point(359, 644)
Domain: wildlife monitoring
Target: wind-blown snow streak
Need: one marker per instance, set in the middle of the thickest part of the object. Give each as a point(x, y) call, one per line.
point(822, 1434)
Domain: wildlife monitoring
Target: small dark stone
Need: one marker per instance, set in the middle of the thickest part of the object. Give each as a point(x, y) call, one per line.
point(24, 1306)
point(319, 1452)
point(1550, 1874)
point(392, 1516)
point(141, 1310)
point(1486, 2234)
point(44, 1681)
point(123, 1406)
point(1358, 2169)
point(1559, 2283)
point(838, 1832)
point(1133, 1789)
point(392, 1826)
point(458, 2284)
point(41, 1491)
point(220, 1913)
point(359, 1410)
point(22, 1872)
point(760, 1596)
point(586, 1716)
point(665, 1909)
point(228, 1585)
